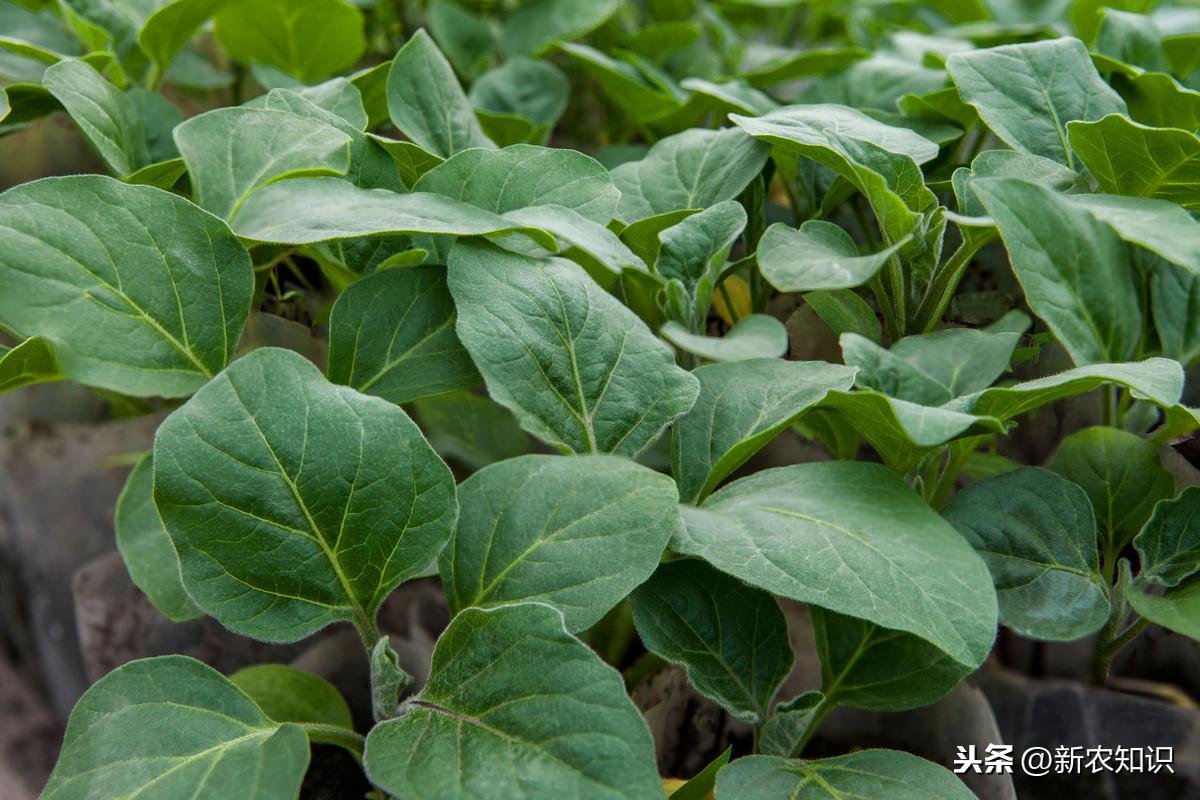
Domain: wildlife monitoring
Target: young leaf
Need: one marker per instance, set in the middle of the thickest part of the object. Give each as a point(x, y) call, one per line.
point(694, 252)
point(32, 361)
point(1122, 476)
point(294, 503)
point(172, 726)
point(866, 666)
point(511, 687)
point(171, 26)
point(524, 175)
point(525, 90)
point(106, 116)
point(426, 102)
point(146, 546)
point(291, 695)
point(836, 127)
point(307, 39)
point(157, 290)
point(391, 334)
point(1169, 544)
point(1175, 298)
point(889, 373)
point(693, 169)
point(577, 368)
point(1037, 534)
point(644, 100)
point(470, 429)
point(1159, 226)
point(742, 406)
point(820, 255)
point(576, 533)
point(845, 311)
point(805, 533)
point(700, 786)
point(1074, 269)
point(464, 37)
point(1027, 93)
point(311, 210)
point(538, 24)
point(1132, 159)
point(231, 152)
point(388, 680)
point(789, 724)
point(731, 638)
point(755, 336)
point(868, 773)
point(1177, 610)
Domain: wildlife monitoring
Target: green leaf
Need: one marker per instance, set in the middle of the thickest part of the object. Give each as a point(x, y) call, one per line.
point(1169, 544)
point(523, 89)
point(1037, 533)
point(171, 727)
point(693, 169)
point(789, 724)
point(845, 311)
point(647, 102)
point(590, 244)
point(171, 26)
point(866, 666)
point(804, 532)
point(538, 24)
point(767, 65)
point(742, 406)
point(692, 255)
point(1178, 610)
point(736, 96)
point(889, 373)
point(426, 102)
point(464, 37)
point(579, 370)
point(731, 638)
point(511, 687)
point(391, 334)
point(5, 106)
point(1074, 269)
point(32, 361)
point(311, 210)
point(470, 429)
point(1027, 93)
point(294, 503)
point(388, 680)
point(291, 695)
point(1122, 476)
point(146, 546)
point(307, 39)
point(836, 128)
point(868, 773)
point(1159, 226)
point(230, 152)
point(524, 175)
point(755, 336)
point(157, 290)
point(576, 533)
point(1159, 380)
point(1132, 159)
point(1159, 100)
point(700, 786)
point(820, 255)
point(1175, 297)
point(106, 117)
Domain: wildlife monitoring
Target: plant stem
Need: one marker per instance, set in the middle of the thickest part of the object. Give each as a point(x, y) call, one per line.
point(823, 708)
point(945, 283)
point(889, 315)
point(1112, 638)
point(336, 735)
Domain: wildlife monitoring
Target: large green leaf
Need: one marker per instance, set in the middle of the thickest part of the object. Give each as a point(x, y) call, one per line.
point(834, 126)
point(742, 406)
point(538, 24)
point(426, 102)
point(174, 727)
point(230, 152)
point(865, 774)
point(693, 169)
point(1037, 534)
point(578, 369)
point(293, 502)
point(106, 116)
point(1160, 226)
point(855, 539)
point(150, 293)
point(1074, 269)
point(731, 638)
point(1122, 475)
point(1177, 610)
point(307, 39)
point(311, 210)
point(1027, 93)
point(1132, 159)
point(754, 336)
point(391, 334)
point(576, 533)
point(1169, 544)
point(146, 546)
point(32, 361)
point(515, 707)
point(524, 175)
point(820, 255)
point(866, 666)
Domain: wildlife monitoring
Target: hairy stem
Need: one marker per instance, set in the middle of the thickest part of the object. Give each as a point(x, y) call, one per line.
point(336, 735)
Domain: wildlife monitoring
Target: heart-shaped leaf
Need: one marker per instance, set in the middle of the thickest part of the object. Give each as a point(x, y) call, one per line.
point(1169, 544)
